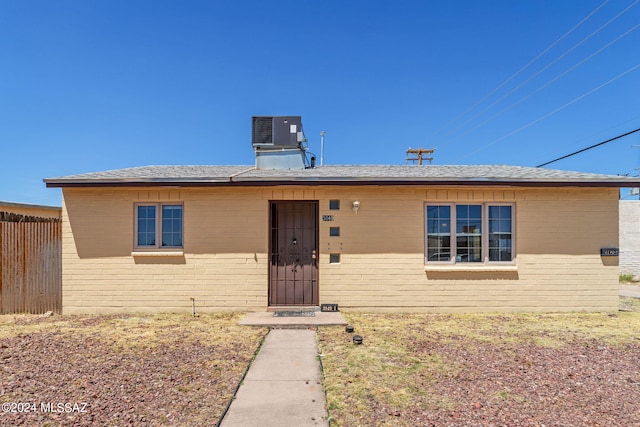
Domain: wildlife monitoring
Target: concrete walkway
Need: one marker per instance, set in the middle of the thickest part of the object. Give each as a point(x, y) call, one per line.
point(630, 291)
point(283, 386)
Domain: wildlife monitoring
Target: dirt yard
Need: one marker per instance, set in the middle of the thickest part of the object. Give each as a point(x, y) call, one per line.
point(118, 370)
point(485, 370)
point(412, 370)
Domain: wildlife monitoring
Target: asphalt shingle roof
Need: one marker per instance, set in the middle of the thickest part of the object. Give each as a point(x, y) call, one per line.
point(360, 174)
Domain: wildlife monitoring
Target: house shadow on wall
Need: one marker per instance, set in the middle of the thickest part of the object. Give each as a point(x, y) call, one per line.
point(469, 274)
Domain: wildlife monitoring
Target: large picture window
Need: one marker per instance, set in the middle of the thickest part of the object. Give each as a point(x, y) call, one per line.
point(469, 233)
point(158, 225)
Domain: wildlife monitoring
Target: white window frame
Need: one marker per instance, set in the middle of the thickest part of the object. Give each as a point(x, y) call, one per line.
point(158, 227)
point(484, 235)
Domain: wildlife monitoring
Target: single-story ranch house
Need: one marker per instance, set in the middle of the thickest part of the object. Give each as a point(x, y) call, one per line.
point(370, 238)
point(379, 238)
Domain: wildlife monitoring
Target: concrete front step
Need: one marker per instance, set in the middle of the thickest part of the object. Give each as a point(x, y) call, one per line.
point(294, 308)
point(321, 318)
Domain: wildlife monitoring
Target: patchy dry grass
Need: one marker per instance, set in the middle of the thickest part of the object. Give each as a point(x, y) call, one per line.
point(629, 304)
point(484, 369)
point(625, 279)
point(141, 370)
point(569, 369)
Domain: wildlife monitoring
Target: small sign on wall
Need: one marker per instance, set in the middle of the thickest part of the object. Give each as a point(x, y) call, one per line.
point(609, 251)
point(327, 217)
point(329, 307)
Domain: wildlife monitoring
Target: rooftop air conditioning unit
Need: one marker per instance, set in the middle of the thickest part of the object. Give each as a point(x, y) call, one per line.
point(276, 132)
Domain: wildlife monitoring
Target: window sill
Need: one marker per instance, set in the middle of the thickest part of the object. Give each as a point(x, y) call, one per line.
point(471, 268)
point(157, 253)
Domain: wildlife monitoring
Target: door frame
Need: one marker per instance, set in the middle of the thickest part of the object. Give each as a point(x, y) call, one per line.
point(273, 234)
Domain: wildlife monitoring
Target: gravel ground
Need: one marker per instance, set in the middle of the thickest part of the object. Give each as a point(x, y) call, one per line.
point(584, 384)
point(410, 371)
point(106, 371)
point(562, 370)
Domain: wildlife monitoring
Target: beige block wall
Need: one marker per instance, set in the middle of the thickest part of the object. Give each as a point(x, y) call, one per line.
point(559, 233)
point(31, 210)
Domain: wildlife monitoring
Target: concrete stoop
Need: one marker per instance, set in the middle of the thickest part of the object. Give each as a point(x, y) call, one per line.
point(321, 318)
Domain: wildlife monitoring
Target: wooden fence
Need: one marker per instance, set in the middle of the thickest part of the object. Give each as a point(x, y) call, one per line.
point(30, 267)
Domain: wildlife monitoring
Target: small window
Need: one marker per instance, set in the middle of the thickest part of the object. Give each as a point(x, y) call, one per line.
point(159, 225)
point(469, 233)
point(334, 258)
point(500, 233)
point(438, 233)
point(334, 231)
point(146, 226)
point(334, 205)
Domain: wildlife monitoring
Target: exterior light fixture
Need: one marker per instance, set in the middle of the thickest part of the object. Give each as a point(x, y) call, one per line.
point(355, 206)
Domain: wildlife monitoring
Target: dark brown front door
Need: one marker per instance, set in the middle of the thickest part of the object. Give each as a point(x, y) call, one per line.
point(294, 269)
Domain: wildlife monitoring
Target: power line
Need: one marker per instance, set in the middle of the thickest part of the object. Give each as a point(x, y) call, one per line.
point(573, 101)
point(517, 73)
point(604, 131)
point(589, 148)
point(546, 67)
point(504, 110)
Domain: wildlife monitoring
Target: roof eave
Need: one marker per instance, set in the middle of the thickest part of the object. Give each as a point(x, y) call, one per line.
point(131, 182)
point(207, 182)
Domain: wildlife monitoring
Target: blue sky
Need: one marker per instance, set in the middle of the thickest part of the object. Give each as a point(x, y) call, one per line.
point(92, 85)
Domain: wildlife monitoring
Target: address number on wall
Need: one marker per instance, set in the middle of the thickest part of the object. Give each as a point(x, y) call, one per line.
point(609, 251)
